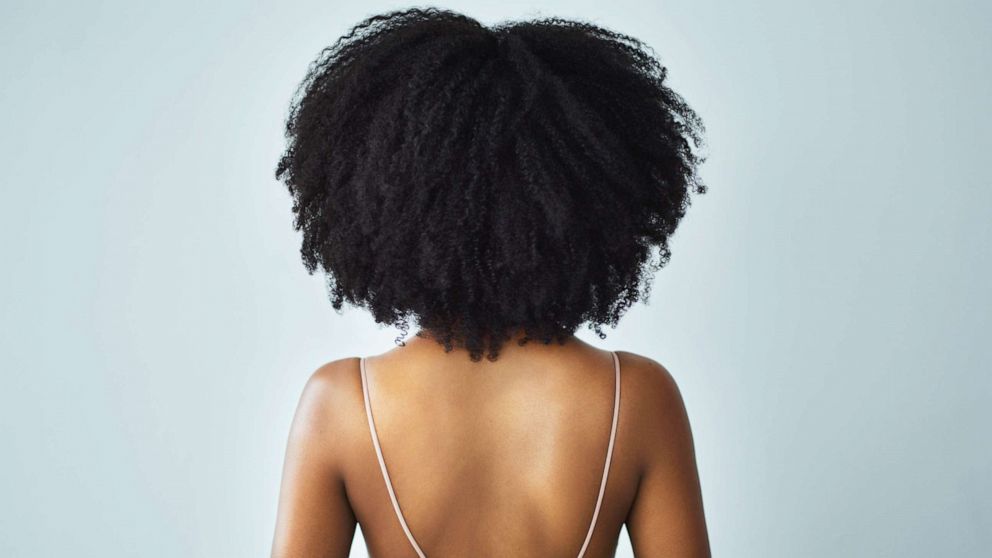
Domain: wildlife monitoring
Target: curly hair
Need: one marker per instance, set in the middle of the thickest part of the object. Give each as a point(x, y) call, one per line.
point(485, 180)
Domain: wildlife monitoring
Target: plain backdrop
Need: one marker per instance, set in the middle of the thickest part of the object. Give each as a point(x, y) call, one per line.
point(826, 311)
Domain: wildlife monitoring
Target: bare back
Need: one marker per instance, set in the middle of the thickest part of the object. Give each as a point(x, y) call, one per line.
point(497, 458)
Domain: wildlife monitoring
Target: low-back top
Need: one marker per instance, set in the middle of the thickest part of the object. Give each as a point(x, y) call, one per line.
point(547, 452)
point(528, 456)
point(392, 493)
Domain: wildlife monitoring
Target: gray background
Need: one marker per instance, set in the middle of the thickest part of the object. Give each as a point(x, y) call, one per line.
point(826, 311)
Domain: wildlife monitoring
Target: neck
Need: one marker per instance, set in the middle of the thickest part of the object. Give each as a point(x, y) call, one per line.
point(428, 340)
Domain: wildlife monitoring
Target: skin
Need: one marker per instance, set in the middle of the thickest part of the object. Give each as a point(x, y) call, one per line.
point(491, 458)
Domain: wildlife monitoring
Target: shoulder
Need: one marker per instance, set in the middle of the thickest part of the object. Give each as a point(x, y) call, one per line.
point(650, 383)
point(334, 382)
point(666, 515)
point(655, 411)
point(330, 404)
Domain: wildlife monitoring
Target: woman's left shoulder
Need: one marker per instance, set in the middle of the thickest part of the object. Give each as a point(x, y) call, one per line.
point(331, 404)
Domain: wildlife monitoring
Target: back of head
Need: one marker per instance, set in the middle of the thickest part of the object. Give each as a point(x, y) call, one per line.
point(488, 180)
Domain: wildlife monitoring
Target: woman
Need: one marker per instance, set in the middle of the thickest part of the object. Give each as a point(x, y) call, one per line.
point(500, 186)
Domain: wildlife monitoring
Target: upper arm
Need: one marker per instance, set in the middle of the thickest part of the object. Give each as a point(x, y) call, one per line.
point(314, 517)
point(666, 518)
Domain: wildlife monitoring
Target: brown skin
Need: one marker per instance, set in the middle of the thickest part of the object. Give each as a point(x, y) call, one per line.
point(491, 458)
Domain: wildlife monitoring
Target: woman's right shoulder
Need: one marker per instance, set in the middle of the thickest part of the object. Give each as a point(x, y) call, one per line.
point(652, 402)
point(667, 512)
point(649, 380)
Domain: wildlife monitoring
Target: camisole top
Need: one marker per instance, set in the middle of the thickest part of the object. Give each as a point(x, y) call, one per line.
point(392, 493)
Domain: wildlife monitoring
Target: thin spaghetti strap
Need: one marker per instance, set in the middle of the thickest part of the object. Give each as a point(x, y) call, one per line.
point(382, 462)
point(609, 454)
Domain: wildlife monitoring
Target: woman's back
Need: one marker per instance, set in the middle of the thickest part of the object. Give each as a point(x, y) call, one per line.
point(500, 458)
point(483, 182)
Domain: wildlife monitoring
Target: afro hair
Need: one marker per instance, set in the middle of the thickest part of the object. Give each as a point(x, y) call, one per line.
point(484, 180)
